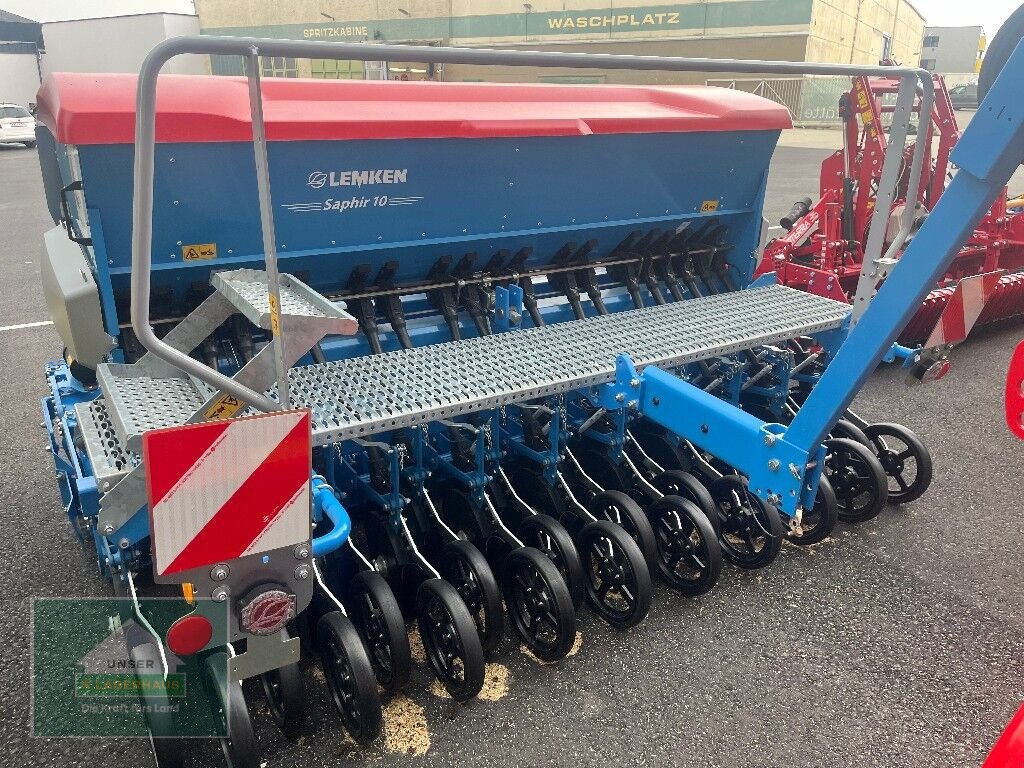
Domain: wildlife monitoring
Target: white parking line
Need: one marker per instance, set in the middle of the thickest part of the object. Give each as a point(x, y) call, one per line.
point(20, 326)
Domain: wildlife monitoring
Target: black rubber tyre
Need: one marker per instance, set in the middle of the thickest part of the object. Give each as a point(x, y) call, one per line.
point(618, 581)
point(999, 49)
point(849, 431)
point(544, 533)
point(450, 639)
point(375, 612)
point(904, 458)
point(689, 555)
point(239, 748)
point(30, 144)
point(675, 482)
point(539, 605)
point(600, 467)
point(751, 529)
point(349, 676)
point(286, 698)
point(618, 508)
point(858, 479)
point(819, 521)
point(167, 748)
point(662, 449)
point(532, 488)
point(463, 566)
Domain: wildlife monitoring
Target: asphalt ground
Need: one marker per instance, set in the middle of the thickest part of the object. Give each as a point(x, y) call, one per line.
point(895, 643)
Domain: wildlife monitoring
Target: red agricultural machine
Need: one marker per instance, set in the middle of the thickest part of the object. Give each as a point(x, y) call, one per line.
point(823, 249)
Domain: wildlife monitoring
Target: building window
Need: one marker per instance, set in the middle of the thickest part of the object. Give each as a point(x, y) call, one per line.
point(330, 69)
point(278, 66)
point(928, 64)
point(931, 41)
point(886, 48)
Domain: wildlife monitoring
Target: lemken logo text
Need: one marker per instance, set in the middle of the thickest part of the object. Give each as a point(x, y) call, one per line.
point(319, 179)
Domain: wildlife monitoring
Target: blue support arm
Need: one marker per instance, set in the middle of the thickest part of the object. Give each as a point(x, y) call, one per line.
point(989, 152)
point(783, 464)
point(325, 503)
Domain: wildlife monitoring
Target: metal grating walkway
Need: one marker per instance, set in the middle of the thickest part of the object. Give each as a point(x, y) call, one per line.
point(365, 395)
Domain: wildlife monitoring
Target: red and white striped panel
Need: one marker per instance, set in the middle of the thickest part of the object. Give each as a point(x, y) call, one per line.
point(224, 489)
point(963, 309)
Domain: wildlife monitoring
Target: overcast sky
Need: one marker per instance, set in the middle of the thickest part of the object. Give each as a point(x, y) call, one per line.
point(947, 13)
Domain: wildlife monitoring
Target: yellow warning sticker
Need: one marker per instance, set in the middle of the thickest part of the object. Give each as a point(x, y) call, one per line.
point(199, 251)
point(275, 315)
point(224, 407)
point(708, 206)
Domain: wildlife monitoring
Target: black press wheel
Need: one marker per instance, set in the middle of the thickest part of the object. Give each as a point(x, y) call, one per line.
point(689, 555)
point(378, 618)
point(167, 749)
point(349, 676)
point(544, 533)
point(857, 478)
point(818, 522)
point(463, 566)
point(600, 467)
point(286, 699)
point(618, 508)
point(618, 581)
point(905, 459)
point(850, 431)
point(239, 746)
point(539, 604)
point(532, 488)
point(751, 529)
point(675, 482)
point(663, 449)
point(450, 639)
point(999, 49)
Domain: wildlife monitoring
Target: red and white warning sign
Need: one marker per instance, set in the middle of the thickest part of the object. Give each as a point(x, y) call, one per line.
point(963, 309)
point(223, 489)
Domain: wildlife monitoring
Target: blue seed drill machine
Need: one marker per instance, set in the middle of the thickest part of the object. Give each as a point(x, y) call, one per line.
point(342, 355)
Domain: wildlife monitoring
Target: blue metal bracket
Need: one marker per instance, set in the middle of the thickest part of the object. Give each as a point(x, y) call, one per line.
point(780, 472)
point(905, 355)
point(832, 340)
point(624, 391)
point(774, 466)
point(508, 307)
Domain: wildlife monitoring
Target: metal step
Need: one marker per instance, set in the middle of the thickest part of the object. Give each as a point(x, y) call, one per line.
point(137, 403)
point(247, 289)
point(366, 395)
point(109, 459)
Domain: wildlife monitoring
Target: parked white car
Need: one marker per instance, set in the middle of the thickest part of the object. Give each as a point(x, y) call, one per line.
point(17, 126)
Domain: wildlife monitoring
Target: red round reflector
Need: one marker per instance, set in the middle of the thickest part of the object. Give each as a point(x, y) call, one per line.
point(936, 370)
point(189, 635)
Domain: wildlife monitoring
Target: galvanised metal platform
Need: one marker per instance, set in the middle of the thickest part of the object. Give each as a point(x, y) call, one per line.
point(367, 395)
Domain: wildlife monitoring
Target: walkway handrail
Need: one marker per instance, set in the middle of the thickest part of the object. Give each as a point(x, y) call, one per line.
point(252, 48)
